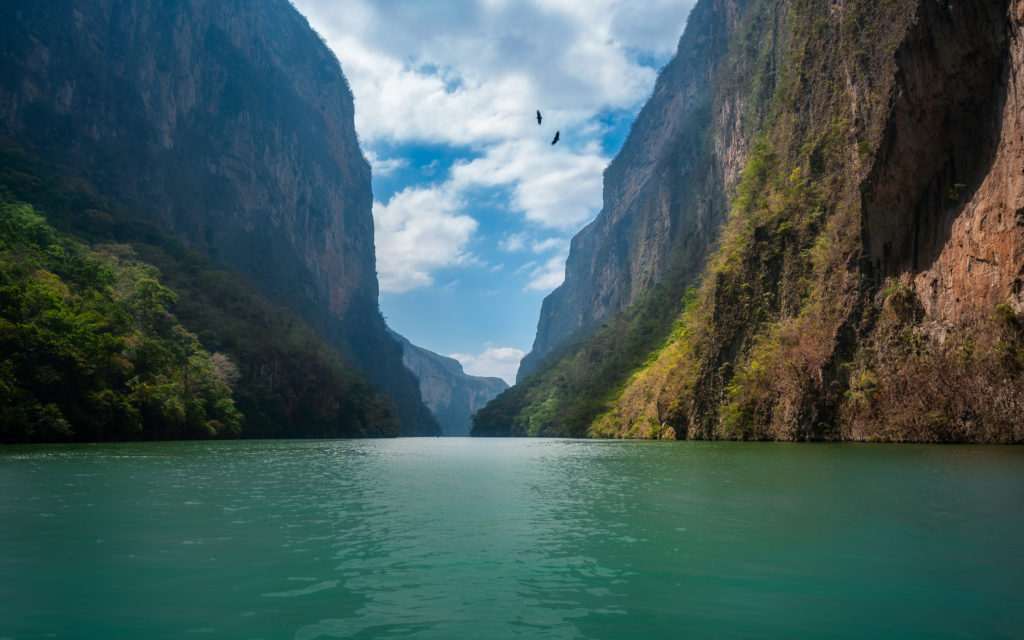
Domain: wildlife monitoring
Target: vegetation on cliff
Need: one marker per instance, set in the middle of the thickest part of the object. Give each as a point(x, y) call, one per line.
point(126, 334)
point(813, 320)
point(791, 337)
point(228, 125)
point(88, 348)
point(684, 192)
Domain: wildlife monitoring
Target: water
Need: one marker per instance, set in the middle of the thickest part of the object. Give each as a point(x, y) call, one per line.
point(493, 539)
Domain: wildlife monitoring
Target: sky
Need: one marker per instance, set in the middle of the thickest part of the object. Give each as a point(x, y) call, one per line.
point(473, 206)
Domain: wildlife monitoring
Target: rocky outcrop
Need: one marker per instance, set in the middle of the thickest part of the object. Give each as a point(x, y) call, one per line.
point(649, 217)
point(227, 122)
point(447, 390)
point(946, 198)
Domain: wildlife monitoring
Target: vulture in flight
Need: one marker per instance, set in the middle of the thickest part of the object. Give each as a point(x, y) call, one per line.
point(556, 137)
point(538, 116)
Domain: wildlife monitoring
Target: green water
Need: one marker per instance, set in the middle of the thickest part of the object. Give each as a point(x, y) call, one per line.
point(491, 539)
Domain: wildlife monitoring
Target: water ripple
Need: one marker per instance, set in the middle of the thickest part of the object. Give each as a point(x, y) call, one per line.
point(498, 539)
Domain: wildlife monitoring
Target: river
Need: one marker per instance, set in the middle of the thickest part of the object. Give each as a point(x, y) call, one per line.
point(465, 538)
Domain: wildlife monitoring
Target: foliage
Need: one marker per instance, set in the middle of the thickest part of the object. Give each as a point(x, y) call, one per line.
point(284, 379)
point(579, 381)
point(928, 383)
point(89, 349)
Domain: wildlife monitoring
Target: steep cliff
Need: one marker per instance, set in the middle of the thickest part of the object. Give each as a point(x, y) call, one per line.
point(110, 329)
point(662, 199)
point(868, 283)
point(869, 280)
point(451, 394)
point(665, 199)
point(228, 123)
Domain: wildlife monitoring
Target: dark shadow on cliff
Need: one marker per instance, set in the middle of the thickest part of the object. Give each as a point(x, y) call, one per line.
point(941, 136)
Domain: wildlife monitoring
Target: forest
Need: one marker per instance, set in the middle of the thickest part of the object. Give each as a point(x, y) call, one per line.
point(112, 330)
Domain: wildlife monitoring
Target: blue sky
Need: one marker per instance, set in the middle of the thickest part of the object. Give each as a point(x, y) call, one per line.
point(473, 207)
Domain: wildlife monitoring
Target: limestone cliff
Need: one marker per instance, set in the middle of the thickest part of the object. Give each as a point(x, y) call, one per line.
point(649, 207)
point(227, 122)
point(666, 197)
point(868, 280)
point(447, 390)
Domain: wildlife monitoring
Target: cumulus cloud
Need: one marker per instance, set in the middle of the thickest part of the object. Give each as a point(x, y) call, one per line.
point(487, 63)
point(513, 242)
point(469, 75)
point(384, 166)
point(557, 188)
point(419, 231)
point(498, 362)
point(547, 276)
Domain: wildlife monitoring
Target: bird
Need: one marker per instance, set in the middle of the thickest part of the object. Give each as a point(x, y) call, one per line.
point(556, 137)
point(538, 116)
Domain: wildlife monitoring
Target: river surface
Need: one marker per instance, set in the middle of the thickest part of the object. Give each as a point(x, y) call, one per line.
point(457, 538)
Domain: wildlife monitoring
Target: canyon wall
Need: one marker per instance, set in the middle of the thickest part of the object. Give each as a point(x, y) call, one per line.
point(661, 203)
point(228, 123)
point(868, 285)
point(867, 279)
point(451, 394)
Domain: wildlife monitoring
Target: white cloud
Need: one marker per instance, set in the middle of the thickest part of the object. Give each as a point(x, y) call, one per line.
point(418, 231)
point(513, 242)
point(551, 243)
point(471, 74)
point(384, 166)
point(516, 242)
point(498, 362)
point(547, 276)
point(552, 187)
point(526, 267)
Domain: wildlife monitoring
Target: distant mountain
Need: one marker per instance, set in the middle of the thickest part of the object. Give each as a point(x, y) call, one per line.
point(452, 395)
point(815, 231)
point(229, 124)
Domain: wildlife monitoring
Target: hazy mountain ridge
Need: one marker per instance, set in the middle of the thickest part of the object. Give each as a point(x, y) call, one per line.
point(452, 394)
point(228, 123)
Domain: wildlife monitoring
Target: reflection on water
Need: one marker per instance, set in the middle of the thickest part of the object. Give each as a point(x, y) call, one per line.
point(458, 538)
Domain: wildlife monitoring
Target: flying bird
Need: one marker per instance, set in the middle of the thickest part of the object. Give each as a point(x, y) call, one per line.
point(538, 116)
point(556, 137)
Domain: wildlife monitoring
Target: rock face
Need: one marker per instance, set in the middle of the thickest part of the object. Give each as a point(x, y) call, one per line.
point(868, 280)
point(450, 394)
point(946, 198)
point(227, 122)
point(628, 248)
point(869, 285)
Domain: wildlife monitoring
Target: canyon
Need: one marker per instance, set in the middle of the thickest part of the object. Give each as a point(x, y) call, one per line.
point(851, 267)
